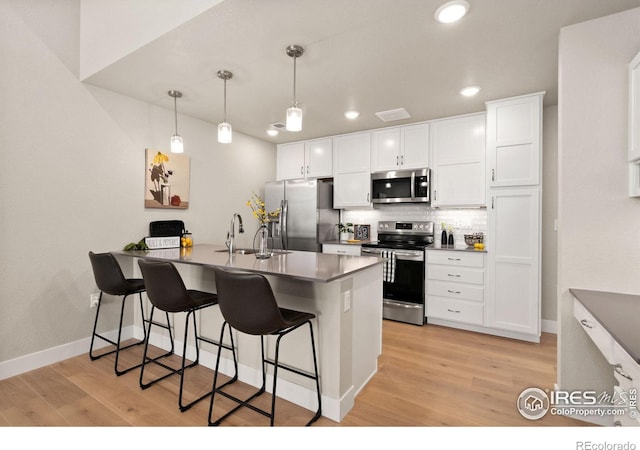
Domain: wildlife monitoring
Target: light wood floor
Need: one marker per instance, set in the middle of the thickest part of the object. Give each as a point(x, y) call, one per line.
point(428, 376)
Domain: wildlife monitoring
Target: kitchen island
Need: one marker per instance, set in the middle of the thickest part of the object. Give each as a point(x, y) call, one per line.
point(344, 292)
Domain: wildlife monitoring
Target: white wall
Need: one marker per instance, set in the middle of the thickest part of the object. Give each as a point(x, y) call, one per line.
point(598, 241)
point(549, 214)
point(73, 159)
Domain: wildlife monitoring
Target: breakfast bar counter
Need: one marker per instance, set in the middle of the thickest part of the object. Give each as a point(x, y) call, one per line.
point(344, 292)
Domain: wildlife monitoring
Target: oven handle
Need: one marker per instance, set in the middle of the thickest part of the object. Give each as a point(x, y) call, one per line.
point(399, 255)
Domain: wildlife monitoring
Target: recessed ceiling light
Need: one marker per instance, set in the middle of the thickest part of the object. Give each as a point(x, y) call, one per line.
point(272, 132)
point(452, 11)
point(470, 91)
point(351, 114)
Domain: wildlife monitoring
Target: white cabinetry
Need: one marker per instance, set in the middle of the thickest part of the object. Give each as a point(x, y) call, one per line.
point(305, 159)
point(455, 286)
point(514, 133)
point(458, 161)
point(514, 128)
point(341, 249)
point(626, 370)
point(634, 127)
point(400, 148)
point(513, 301)
point(352, 170)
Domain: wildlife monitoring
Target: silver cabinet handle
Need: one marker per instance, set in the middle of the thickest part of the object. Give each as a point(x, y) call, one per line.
point(492, 205)
point(453, 259)
point(586, 324)
point(307, 169)
point(435, 194)
point(340, 251)
point(493, 174)
point(368, 194)
point(452, 292)
point(402, 160)
point(397, 160)
point(301, 170)
point(618, 369)
point(453, 310)
point(453, 275)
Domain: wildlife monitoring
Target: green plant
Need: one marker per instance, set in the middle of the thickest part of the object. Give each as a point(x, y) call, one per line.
point(345, 227)
point(140, 245)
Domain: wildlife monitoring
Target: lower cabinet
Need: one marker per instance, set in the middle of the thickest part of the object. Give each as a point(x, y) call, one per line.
point(626, 370)
point(455, 286)
point(341, 249)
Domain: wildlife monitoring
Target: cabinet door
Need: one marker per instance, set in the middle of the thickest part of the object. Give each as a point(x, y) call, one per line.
point(290, 161)
point(352, 153)
point(318, 158)
point(514, 128)
point(414, 144)
point(351, 190)
point(513, 267)
point(352, 170)
point(458, 155)
point(385, 152)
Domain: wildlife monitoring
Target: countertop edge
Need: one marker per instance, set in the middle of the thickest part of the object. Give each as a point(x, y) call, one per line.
point(579, 295)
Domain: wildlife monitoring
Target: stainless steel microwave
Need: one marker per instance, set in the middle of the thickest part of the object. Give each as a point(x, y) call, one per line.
point(404, 186)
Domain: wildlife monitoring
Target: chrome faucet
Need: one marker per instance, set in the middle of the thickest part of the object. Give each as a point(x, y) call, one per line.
point(231, 233)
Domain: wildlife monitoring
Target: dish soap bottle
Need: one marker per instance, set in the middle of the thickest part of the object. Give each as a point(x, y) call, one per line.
point(443, 239)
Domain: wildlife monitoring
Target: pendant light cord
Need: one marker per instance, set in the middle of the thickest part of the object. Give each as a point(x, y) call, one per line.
point(295, 103)
point(175, 112)
point(225, 100)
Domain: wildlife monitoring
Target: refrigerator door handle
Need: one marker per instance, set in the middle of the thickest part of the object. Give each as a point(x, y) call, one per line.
point(284, 205)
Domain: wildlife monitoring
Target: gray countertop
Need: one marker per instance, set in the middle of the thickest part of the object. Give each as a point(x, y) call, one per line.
point(309, 266)
point(457, 248)
point(617, 313)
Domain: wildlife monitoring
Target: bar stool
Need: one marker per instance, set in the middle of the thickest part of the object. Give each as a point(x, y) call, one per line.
point(248, 305)
point(110, 279)
point(166, 291)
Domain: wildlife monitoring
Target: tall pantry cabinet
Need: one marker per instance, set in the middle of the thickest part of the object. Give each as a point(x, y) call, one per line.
point(514, 162)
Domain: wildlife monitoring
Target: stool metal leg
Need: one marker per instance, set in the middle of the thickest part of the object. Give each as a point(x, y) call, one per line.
point(117, 342)
point(146, 359)
point(315, 376)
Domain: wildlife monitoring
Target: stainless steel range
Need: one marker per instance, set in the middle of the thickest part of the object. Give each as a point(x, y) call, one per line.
point(402, 244)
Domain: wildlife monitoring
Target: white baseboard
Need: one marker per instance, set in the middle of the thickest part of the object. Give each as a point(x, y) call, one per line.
point(53, 355)
point(334, 409)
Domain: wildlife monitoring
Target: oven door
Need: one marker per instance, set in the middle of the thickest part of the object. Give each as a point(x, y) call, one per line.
point(403, 298)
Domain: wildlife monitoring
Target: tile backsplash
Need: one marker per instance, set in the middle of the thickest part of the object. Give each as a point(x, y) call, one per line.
point(463, 221)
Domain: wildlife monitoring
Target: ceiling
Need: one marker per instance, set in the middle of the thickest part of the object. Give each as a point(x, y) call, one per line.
point(367, 55)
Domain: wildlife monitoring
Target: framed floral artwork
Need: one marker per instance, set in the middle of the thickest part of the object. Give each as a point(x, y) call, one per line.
point(166, 180)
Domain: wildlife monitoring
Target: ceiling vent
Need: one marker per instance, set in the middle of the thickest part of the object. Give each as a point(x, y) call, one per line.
point(278, 125)
point(393, 114)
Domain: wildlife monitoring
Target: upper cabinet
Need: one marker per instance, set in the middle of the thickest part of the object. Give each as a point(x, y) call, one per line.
point(514, 133)
point(400, 148)
point(458, 161)
point(305, 159)
point(352, 170)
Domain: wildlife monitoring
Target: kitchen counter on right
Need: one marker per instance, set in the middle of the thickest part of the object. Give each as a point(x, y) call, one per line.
point(617, 313)
point(456, 248)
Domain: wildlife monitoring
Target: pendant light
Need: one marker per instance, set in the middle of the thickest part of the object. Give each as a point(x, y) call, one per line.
point(225, 133)
point(294, 114)
point(176, 140)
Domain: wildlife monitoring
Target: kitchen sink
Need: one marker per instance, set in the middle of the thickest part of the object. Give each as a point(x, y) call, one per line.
point(250, 251)
point(241, 251)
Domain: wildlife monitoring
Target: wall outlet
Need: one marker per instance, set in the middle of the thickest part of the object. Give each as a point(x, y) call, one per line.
point(93, 300)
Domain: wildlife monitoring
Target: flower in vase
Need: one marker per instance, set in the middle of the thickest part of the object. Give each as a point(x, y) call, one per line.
point(258, 209)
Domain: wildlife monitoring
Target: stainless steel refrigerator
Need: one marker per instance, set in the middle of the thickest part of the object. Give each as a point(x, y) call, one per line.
point(307, 216)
